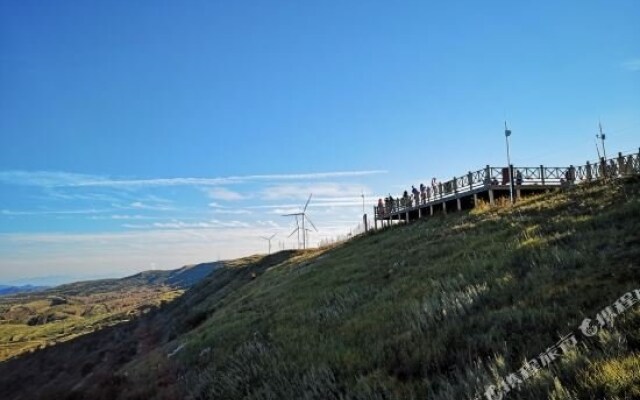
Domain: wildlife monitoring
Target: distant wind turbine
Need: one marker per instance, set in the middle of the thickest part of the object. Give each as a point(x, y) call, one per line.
point(268, 239)
point(304, 217)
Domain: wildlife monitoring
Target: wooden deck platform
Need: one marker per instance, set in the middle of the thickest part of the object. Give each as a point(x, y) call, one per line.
point(490, 184)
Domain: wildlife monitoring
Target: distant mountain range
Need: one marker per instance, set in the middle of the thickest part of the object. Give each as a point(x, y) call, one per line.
point(180, 278)
point(9, 289)
point(33, 316)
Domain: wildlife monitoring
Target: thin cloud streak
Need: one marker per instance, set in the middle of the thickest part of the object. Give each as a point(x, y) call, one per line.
point(64, 179)
point(53, 212)
point(222, 193)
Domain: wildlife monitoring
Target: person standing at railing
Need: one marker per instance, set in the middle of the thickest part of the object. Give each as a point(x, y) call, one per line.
point(518, 178)
point(423, 193)
point(405, 199)
point(434, 185)
point(570, 175)
point(380, 207)
point(416, 195)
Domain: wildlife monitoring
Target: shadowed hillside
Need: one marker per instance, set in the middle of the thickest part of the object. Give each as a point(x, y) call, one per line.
point(439, 309)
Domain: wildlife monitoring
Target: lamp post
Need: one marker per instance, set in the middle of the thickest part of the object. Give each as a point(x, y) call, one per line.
point(602, 137)
point(507, 133)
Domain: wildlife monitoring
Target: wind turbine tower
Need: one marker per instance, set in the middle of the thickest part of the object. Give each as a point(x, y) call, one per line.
point(268, 239)
point(303, 217)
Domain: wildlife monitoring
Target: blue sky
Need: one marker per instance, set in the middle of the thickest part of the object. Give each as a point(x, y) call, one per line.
point(137, 135)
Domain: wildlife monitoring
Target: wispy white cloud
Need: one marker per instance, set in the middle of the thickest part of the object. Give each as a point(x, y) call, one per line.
point(231, 211)
point(44, 178)
point(316, 203)
point(144, 206)
point(222, 193)
point(284, 211)
point(632, 65)
point(61, 194)
point(177, 224)
point(66, 179)
point(53, 212)
point(302, 191)
point(122, 217)
point(167, 244)
point(147, 233)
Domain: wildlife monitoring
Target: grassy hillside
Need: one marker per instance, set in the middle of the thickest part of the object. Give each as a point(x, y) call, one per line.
point(439, 309)
point(31, 321)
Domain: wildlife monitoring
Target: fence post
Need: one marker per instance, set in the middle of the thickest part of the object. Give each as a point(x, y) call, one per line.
point(375, 218)
point(542, 174)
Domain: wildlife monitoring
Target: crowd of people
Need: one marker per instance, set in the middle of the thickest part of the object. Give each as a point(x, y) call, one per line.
point(416, 197)
point(425, 193)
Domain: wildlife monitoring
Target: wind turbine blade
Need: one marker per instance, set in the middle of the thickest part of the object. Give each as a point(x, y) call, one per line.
point(291, 215)
point(274, 235)
point(308, 200)
point(294, 231)
point(312, 224)
point(265, 238)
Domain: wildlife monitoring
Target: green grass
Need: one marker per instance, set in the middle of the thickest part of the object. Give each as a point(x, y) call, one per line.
point(438, 309)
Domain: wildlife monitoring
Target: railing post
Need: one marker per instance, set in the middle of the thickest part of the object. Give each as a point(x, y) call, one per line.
point(588, 171)
point(542, 174)
point(440, 189)
point(455, 185)
point(470, 177)
point(375, 218)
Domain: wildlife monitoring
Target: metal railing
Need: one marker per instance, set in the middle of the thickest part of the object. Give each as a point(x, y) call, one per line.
point(498, 178)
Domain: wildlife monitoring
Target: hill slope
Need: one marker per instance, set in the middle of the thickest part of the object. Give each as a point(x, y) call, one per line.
point(180, 278)
point(32, 320)
point(440, 309)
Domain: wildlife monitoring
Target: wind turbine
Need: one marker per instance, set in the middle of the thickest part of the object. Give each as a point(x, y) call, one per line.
point(296, 229)
point(268, 238)
point(304, 217)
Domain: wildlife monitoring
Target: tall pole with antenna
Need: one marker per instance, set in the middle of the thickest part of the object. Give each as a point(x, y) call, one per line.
point(507, 133)
point(602, 137)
